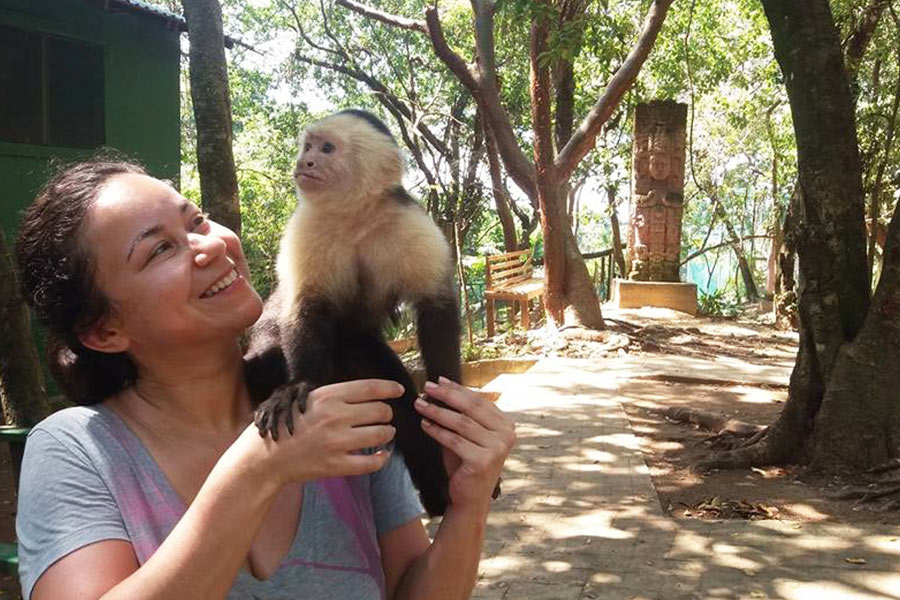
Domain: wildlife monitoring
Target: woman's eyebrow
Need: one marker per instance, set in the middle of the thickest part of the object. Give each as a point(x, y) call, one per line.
point(145, 233)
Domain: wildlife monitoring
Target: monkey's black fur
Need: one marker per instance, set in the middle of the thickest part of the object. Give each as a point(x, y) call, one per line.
point(371, 119)
point(332, 345)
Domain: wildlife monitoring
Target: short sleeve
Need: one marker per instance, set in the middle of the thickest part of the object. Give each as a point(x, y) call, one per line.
point(63, 505)
point(395, 501)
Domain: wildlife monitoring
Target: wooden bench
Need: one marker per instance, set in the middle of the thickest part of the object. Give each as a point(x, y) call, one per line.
point(15, 437)
point(510, 277)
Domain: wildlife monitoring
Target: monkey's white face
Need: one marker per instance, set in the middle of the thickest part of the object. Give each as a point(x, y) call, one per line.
point(344, 164)
point(321, 164)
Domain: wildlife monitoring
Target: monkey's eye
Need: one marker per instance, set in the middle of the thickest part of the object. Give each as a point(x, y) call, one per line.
point(307, 146)
point(327, 147)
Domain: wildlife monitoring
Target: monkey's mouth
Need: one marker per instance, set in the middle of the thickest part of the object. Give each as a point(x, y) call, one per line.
point(221, 284)
point(304, 175)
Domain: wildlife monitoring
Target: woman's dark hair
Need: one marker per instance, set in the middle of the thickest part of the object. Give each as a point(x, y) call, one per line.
point(58, 280)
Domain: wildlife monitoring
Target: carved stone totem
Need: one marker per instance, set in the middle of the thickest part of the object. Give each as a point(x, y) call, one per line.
point(654, 233)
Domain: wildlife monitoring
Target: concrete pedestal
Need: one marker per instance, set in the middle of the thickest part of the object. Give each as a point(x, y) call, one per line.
point(674, 295)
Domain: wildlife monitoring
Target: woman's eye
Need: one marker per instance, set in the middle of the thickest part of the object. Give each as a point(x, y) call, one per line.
point(158, 249)
point(199, 220)
point(327, 147)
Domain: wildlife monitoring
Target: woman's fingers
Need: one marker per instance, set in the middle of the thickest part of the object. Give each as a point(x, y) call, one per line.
point(369, 436)
point(355, 403)
point(480, 410)
point(361, 464)
point(465, 449)
point(360, 390)
point(457, 422)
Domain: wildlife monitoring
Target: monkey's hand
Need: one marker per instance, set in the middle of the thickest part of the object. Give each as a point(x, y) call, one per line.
point(279, 408)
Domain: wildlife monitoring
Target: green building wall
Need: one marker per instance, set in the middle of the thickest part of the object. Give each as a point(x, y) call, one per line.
point(141, 56)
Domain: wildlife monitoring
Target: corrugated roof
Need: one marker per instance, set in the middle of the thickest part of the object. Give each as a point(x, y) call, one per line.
point(172, 19)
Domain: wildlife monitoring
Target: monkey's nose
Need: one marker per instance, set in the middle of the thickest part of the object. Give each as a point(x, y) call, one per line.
point(310, 164)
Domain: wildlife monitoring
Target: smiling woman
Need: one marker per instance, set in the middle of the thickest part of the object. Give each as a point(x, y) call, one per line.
point(159, 486)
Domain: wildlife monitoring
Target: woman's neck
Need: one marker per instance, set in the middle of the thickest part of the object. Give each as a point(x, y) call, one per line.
point(204, 393)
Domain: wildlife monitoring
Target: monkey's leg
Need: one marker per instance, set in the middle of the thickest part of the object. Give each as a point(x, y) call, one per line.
point(438, 326)
point(372, 357)
point(308, 343)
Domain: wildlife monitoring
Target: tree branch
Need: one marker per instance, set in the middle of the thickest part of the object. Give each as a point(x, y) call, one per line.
point(379, 15)
point(448, 56)
point(584, 138)
point(380, 90)
point(486, 95)
point(298, 26)
point(858, 41)
point(703, 251)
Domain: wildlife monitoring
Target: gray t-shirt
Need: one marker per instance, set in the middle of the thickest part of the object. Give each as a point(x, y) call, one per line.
point(86, 477)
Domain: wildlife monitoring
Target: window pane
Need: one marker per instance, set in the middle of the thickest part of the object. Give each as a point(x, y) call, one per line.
point(20, 86)
point(75, 105)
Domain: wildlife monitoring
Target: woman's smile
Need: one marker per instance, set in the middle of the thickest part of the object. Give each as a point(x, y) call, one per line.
point(222, 284)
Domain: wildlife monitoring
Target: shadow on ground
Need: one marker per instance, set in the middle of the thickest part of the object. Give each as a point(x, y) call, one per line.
point(579, 517)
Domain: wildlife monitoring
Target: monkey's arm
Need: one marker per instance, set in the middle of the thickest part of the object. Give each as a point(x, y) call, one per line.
point(309, 341)
point(438, 327)
point(264, 365)
point(308, 344)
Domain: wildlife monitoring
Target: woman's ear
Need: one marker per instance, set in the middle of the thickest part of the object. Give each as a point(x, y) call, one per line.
point(105, 337)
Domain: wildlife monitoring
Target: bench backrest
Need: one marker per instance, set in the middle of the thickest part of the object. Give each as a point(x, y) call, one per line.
point(504, 270)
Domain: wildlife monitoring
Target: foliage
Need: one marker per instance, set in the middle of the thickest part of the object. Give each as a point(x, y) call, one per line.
point(742, 149)
point(720, 303)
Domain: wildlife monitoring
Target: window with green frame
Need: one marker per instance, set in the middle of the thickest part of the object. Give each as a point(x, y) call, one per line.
point(51, 90)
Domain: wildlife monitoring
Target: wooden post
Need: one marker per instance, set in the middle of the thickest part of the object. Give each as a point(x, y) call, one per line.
point(489, 302)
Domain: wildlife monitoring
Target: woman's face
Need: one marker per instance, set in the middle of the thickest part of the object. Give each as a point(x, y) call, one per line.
point(174, 278)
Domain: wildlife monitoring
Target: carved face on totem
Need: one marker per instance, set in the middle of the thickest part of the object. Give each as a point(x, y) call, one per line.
point(659, 166)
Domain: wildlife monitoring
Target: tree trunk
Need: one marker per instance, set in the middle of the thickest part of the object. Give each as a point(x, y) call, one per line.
point(846, 368)
point(212, 112)
point(21, 381)
point(569, 292)
point(859, 422)
point(772, 273)
point(743, 263)
point(501, 198)
point(618, 253)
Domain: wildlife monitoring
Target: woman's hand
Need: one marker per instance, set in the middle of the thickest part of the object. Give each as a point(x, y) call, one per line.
point(476, 440)
point(340, 420)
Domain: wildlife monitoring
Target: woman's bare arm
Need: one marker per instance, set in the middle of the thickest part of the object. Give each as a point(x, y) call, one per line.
point(476, 438)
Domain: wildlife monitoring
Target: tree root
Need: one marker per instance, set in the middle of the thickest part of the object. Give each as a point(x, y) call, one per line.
point(872, 492)
point(756, 437)
point(612, 341)
point(890, 465)
point(623, 325)
point(758, 454)
point(711, 421)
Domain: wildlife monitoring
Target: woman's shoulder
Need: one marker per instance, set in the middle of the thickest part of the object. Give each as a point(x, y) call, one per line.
point(76, 424)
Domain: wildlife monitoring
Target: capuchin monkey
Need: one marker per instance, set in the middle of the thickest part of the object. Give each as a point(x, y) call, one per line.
point(356, 246)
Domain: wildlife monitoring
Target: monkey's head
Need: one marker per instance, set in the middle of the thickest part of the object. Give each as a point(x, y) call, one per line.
point(347, 156)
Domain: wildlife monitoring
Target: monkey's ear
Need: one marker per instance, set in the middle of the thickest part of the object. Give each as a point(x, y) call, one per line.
point(105, 337)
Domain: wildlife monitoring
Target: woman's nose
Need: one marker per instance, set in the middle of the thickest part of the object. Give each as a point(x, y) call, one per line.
point(206, 248)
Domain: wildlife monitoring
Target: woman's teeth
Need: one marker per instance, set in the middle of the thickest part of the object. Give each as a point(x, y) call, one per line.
point(220, 285)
